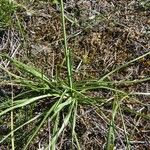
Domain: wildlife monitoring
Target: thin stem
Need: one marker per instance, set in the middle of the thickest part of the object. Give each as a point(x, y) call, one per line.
point(67, 51)
point(125, 131)
point(12, 121)
point(122, 66)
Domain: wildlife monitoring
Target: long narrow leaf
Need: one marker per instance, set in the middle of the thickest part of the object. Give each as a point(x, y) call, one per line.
point(29, 121)
point(65, 123)
point(44, 119)
point(122, 66)
point(26, 102)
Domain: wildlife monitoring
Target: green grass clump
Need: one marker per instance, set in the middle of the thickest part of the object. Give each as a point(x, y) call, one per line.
point(7, 9)
point(62, 96)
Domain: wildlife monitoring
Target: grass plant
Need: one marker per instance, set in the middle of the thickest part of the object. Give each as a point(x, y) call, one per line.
point(63, 98)
point(7, 10)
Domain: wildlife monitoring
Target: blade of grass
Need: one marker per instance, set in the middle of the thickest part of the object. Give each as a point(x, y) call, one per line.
point(122, 66)
point(103, 87)
point(25, 83)
point(6, 104)
point(8, 72)
point(67, 50)
point(111, 133)
point(74, 135)
point(125, 131)
point(26, 68)
point(143, 115)
point(110, 140)
point(116, 103)
point(65, 123)
point(12, 121)
point(95, 82)
point(132, 81)
point(24, 103)
point(141, 93)
point(53, 146)
point(29, 121)
point(30, 70)
point(55, 106)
